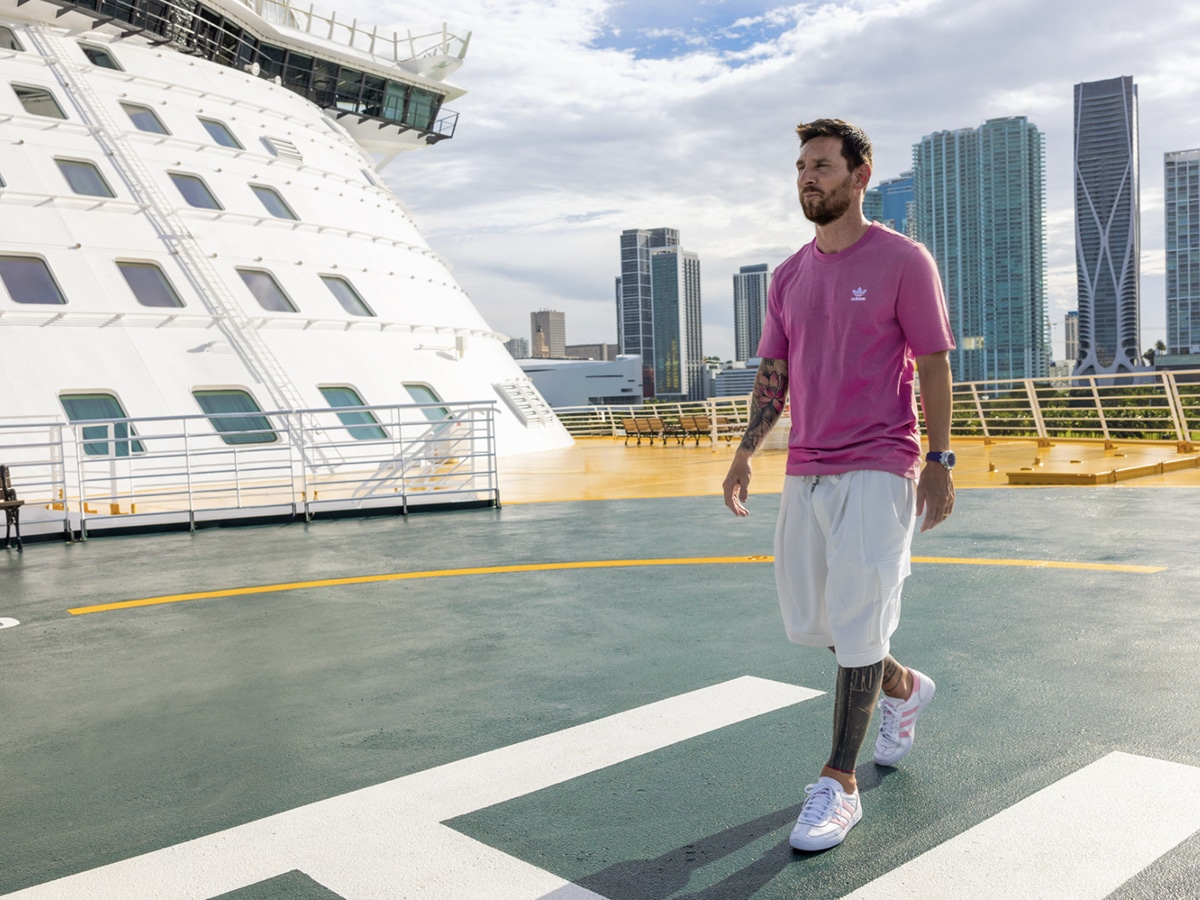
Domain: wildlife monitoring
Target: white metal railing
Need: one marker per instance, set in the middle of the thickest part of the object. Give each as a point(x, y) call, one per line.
point(1162, 406)
point(179, 471)
point(726, 415)
point(310, 19)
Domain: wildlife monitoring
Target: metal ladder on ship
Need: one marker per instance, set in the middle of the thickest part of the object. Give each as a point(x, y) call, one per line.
point(228, 314)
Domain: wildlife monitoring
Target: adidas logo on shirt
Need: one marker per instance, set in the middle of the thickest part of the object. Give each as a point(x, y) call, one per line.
point(858, 294)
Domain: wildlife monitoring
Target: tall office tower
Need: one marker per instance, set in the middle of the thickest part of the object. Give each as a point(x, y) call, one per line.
point(517, 347)
point(1182, 194)
point(553, 325)
point(889, 202)
point(1071, 336)
point(749, 309)
point(1107, 235)
point(658, 312)
point(979, 206)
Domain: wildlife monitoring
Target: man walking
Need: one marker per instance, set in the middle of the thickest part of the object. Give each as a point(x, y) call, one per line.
point(849, 318)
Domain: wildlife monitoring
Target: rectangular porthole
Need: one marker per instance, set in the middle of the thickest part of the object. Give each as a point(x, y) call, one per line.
point(144, 118)
point(273, 201)
point(362, 425)
point(28, 280)
point(195, 191)
point(38, 101)
point(84, 178)
point(220, 133)
point(149, 285)
point(346, 295)
point(266, 290)
point(232, 415)
point(91, 407)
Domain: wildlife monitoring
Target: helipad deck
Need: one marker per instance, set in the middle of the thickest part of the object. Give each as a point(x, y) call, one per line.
point(594, 697)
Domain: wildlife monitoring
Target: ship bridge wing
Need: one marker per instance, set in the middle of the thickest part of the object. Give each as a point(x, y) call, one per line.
point(387, 88)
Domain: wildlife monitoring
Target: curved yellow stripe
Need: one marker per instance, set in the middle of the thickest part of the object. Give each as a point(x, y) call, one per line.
point(584, 564)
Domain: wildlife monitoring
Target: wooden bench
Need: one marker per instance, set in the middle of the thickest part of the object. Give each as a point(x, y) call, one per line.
point(631, 430)
point(727, 430)
point(12, 509)
point(695, 427)
point(652, 428)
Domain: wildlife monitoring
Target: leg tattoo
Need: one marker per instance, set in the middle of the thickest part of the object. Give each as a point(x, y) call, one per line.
point(894, 676)
point(857, 691)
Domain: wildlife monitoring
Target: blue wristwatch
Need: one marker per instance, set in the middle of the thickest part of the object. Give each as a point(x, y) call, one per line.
point(945, 457)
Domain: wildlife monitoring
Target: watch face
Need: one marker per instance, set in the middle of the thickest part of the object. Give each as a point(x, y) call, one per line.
point(948, 459)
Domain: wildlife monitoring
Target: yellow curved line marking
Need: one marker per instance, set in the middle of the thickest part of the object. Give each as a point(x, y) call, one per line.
point(584, 564)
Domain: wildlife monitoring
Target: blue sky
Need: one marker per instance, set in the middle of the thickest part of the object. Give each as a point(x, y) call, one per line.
point(669, 29)
point(586, 117)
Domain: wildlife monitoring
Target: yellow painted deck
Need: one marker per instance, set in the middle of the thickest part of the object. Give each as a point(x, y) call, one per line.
point(608, 469)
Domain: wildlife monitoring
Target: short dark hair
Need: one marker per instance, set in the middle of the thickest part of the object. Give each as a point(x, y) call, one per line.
point(856, 146)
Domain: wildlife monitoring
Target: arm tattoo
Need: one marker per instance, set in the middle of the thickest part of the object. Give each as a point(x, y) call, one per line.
point(767, 401)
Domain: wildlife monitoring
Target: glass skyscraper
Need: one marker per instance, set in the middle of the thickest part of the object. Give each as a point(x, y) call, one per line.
point(1182, 195)
point(979, 206)
point(658, 312)
point(890, 202)
point(749, 309)
point(1107, 235)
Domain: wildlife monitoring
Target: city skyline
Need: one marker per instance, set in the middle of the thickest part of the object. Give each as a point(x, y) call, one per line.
point(695, 127)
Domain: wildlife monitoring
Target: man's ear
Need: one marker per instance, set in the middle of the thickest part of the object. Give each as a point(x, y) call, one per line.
point(862, 176)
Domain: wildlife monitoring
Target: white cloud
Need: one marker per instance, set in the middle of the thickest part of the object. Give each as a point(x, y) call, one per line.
point(561, 145)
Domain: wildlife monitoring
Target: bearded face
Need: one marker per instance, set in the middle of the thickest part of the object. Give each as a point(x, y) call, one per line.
point(824, 206)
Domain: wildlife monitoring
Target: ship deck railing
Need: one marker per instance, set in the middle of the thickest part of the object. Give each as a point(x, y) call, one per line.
point(1151, 406)
point(158, 473)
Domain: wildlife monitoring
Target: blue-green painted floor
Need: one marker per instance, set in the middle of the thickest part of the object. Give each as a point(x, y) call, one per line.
point(126, 731)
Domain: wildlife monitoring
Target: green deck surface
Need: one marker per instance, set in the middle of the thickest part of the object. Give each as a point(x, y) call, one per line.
point(131, 730)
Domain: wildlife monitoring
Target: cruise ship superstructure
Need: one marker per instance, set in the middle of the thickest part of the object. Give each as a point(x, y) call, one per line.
point(192, 223)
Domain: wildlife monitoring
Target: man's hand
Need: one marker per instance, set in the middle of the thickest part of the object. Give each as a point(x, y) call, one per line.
point(737, 483)
point(935, 495)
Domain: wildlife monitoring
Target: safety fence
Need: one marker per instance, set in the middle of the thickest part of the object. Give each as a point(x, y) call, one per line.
point(1155, 406)
point(187, 471)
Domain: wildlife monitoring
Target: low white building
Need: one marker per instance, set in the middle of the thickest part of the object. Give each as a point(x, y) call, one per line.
point(586, 382)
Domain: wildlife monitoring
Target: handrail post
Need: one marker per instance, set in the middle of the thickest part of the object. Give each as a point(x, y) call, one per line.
point(1176, 405)
point(979, 410)
point(1036, 408)
point(1099, 406)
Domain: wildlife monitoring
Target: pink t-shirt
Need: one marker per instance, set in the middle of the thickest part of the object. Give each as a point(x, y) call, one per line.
point(850, 326)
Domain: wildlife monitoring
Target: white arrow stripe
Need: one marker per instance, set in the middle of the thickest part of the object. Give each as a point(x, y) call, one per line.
point(1083, 837)
point(386, 840)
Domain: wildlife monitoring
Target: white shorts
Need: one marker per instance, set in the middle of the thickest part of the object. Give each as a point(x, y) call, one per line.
point(842, 552)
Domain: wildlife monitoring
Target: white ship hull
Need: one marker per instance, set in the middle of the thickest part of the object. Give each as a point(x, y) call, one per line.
point(424, 329)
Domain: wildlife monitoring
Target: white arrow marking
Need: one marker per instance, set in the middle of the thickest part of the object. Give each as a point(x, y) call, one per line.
point(1085, 836)
point(8, 623)
point(387, 840)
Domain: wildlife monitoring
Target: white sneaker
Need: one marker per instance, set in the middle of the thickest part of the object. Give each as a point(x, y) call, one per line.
point(898, 720)
point(828, 814)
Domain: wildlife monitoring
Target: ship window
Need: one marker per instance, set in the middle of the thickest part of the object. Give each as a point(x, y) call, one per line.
point(38, 101)
point(347, 296)
point(8, 40)
point(144, 118)
point(98, 57)
point(362, 425)
point(266, 290)
point(84, 178)
point(220, 133)
point(149, 284)
point(273, 201)
point(423, 393)
point(28, 280)
point(232, 415)
point(422, 107)
point(94, 407)
point(195, 191)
